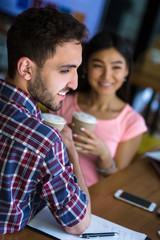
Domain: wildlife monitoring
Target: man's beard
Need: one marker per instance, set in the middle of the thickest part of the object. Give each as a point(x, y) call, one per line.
point(42, 94)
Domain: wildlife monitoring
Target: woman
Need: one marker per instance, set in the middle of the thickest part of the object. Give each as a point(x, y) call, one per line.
point(102, 92)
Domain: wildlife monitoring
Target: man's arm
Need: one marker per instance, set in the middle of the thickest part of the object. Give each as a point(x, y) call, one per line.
point(73, 157)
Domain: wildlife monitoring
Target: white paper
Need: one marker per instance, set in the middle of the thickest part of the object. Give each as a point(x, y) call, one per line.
point(45, 222)
point(155, 155)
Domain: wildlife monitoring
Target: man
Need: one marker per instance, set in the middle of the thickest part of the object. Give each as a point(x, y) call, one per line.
point(44, 52)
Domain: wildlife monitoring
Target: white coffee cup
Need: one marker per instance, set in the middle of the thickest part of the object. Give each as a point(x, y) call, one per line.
point(83, 120)
point(54, 120)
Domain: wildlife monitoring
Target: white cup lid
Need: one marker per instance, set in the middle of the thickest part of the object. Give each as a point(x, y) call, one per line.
point(52, 118)
point(85, 117)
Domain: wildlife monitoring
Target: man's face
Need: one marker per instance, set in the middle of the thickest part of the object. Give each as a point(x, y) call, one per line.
point(57, 77)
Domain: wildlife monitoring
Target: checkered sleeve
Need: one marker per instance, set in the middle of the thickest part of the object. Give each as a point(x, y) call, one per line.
point(65, 199)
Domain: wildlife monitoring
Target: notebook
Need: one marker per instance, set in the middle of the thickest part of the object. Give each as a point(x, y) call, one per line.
point(45, 223)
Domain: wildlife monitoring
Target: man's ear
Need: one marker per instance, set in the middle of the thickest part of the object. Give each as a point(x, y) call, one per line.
point(25, 67)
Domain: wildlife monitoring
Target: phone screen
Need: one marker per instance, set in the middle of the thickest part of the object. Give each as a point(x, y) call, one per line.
point(135, 199)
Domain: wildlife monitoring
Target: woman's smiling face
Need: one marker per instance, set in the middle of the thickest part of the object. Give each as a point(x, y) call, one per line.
point(107, 70)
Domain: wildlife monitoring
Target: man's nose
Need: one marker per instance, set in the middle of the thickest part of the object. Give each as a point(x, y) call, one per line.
point(73, 83)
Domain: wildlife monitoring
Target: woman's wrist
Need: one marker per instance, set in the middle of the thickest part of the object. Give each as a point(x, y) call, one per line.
point(108, 169)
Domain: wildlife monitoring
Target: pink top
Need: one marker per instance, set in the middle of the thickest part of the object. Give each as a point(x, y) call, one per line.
point(127, 125)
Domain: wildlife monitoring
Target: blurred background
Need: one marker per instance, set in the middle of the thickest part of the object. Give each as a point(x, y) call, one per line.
point(136, 21)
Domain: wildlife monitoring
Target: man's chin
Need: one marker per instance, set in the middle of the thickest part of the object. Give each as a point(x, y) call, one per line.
point(54, 108)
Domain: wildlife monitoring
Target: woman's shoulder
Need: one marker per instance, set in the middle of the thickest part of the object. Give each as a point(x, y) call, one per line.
point(131, 123)
point(128, 111)
point(130, 117)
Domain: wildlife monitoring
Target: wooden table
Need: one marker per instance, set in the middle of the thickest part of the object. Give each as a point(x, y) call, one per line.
point(139, 178)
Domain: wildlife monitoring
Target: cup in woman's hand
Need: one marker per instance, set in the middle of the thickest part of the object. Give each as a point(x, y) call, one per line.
point(83, 120)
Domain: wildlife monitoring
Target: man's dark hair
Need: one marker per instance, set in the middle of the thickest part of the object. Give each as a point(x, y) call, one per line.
point(36, 32)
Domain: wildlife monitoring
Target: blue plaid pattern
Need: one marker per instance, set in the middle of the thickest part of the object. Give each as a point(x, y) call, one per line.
point(34, 166)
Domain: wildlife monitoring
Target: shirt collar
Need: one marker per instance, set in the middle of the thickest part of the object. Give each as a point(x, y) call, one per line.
point(16, 94)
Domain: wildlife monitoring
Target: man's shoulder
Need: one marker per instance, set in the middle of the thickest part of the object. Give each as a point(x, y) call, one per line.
point(30, 132)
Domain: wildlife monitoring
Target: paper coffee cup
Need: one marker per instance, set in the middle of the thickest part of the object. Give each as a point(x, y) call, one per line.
point(83, 120)
point(54, 121)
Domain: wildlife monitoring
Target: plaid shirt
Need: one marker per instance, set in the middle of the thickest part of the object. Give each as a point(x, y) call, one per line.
point(34, 166)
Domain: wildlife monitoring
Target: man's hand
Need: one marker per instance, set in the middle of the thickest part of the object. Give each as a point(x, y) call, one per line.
point(67, 137)
point(73, 157)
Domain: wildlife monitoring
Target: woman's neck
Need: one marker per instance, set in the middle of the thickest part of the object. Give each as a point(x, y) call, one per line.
point(98, 102)
point(102, 107)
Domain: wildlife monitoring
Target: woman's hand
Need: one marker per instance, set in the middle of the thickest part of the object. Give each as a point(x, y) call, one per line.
point(91, 144)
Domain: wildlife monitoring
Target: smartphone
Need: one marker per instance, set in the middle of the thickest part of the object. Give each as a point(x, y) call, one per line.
point(135, 200)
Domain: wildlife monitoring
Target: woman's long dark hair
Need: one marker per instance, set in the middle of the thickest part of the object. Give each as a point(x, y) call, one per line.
point(105, 40)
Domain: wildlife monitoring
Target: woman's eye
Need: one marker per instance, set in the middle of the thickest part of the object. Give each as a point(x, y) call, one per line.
point(117, 67)
point(97, 66)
